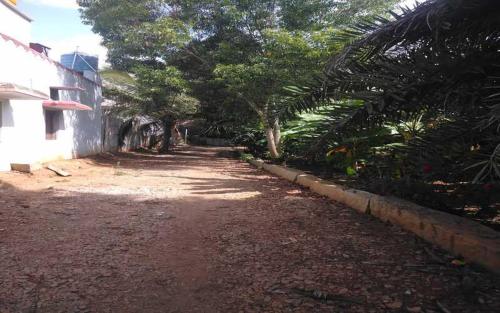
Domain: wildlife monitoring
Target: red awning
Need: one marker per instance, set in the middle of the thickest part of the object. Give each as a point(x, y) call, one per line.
point(65, 105)
point(67, 88)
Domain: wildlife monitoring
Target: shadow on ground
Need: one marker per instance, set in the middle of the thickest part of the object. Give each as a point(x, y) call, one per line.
point(193, 232)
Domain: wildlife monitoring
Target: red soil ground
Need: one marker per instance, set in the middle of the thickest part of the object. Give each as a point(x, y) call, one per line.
point(196, 232)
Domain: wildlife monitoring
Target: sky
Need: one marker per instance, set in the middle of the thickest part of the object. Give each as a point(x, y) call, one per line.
point(57, 24)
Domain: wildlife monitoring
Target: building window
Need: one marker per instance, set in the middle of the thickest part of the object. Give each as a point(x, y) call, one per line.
point(54, 94)
point(53, 123)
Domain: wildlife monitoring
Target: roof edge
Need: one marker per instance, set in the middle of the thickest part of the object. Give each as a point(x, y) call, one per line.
point(46, 58)
point(15, 10)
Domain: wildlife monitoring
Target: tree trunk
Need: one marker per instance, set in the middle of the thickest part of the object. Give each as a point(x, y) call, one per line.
point(271, 143)
point(272, 129)
point(167, 134)
point(277, 135)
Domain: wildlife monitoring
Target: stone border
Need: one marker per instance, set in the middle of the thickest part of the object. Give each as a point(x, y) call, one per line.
point(25, 167)
point(471, 240)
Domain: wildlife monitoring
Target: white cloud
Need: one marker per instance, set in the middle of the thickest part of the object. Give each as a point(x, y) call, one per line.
point(65, 4)
point(85, 43)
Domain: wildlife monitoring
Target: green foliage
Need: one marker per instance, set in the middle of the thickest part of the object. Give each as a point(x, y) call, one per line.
point(141, 37)
point(233, 53)
point(246, 157)
point(431, 76)
point(406, 99)
point(165, 92)
point(153, 92)
point(443, 71)
point(121, 88)
point(119, 79)
point(253, 139)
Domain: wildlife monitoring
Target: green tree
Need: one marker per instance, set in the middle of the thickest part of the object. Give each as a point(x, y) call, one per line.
point(166, 95)
point(432, 74)
point(286, 58)
point(249, 50)
point(136, 33)
point(160, 94)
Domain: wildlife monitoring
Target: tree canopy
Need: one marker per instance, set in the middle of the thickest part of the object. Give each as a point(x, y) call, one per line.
point(232, 53)
point(405, 98)
point(427, 82)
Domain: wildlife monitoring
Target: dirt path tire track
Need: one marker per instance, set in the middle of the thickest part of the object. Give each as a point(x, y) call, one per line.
point(197, 232)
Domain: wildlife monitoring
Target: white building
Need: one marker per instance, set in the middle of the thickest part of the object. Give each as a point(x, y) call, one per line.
point(47, 111)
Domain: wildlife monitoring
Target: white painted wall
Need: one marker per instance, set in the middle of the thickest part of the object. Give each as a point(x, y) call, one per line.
point(13, 24)
point(22, 131)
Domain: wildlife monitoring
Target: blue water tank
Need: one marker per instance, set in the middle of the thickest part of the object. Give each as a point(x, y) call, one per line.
point(80, 62)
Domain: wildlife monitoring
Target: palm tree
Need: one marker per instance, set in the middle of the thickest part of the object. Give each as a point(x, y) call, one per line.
point(439, 61)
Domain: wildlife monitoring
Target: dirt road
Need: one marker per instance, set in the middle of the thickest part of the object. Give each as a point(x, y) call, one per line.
point(197, 232)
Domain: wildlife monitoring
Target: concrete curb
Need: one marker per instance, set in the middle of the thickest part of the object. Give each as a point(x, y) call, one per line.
point(286, 173)
point(471, 240)
point(257, 163)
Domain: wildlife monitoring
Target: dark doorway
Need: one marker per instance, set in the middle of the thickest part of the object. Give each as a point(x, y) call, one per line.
point(53, 123)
